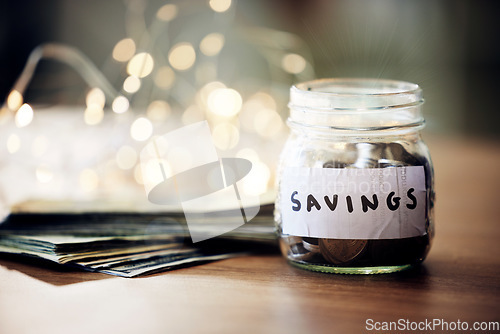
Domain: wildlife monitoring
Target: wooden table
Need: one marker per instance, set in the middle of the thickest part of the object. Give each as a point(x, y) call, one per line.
point(460, 280)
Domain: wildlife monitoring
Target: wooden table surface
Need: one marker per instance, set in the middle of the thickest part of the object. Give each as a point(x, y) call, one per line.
point(460, 280)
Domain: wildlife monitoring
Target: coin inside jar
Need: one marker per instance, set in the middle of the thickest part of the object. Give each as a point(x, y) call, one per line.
point(341, 251)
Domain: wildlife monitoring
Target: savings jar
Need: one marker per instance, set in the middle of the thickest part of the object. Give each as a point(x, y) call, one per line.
point(355, 179)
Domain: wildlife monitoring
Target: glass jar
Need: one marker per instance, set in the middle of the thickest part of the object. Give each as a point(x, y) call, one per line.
point(355, 179)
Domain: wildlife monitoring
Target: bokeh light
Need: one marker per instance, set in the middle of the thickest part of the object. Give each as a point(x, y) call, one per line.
point(182, 56)
point(131, 84)
point(293, 63)
point(93, 114)
point(13, 143)
point(167, 12)
point(164, 77)
point(212, 44)
point(141, 129)
point(141, 65)
point(225, 136)
point(14, 100)
point(24, 115)
point(95, 97)
point(120, 104)
point(220, 6)
point(158, 111)
point(267, 122)
point(224, 102)
point(257, 180)
point(124, 50)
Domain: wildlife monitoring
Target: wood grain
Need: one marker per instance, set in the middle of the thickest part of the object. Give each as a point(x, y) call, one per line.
point(460, 280)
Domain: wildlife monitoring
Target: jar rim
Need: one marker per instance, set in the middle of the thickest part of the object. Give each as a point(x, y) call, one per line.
point(356, 103)
point(384, 87)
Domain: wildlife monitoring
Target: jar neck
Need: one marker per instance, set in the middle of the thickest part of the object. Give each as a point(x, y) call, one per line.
point(327, 133)
point(367, 107)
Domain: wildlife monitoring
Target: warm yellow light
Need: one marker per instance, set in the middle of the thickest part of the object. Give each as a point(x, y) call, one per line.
point(24, 116)
point(141, 129)
point(131, 84)
point(252, 106)
point(224, 102)
point(44, 174)
point(158, 110)
point(212, 44)
point(205, 91)
point(267, 123)
point(293, 63)
point(225, 136)
point(152, 171)
point(164, 77)
point(141, 65)
point(220, 5)
point(13, 143)
point(182, 56)
point(167, 12)
point(89, 180)
point(39, 146)
point(93, 115)
point(126, 157)
point(256, 182)
point(95, 97)
point(124, 50)
point(120, 104)
point(14, 100)
point(265, 100)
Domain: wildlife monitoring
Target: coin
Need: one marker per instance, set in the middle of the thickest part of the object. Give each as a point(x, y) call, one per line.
point(340, 251)
point(311, 244)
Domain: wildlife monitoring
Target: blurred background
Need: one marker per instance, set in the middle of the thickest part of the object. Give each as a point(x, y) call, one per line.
point(161, 64)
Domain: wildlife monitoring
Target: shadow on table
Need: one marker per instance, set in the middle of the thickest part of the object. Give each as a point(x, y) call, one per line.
point(47, 271)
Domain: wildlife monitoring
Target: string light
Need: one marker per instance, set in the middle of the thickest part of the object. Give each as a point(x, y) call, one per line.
point(164, 77)
point(124, 50)
point(24, 115)
point(95, 97)
point(131, 84)
point(158, 110)
point(223, 107)
point(211, 44)
point(224, 102)
point(141, 65)
point(93, 114)
point(220, 6)
point(120, 104)
point(13, 143)
point(182, 56)
point(167, 12)
point(225, 136)
point(293, 63)
point(141, 129)
point(14, 100)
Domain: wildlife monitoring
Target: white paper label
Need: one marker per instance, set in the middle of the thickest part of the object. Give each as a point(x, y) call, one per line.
point(348, 203)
